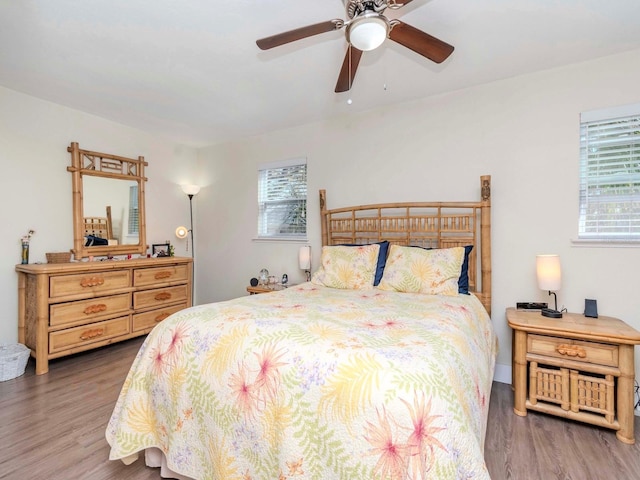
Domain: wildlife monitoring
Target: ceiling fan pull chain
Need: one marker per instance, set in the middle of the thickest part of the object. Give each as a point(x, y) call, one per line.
point(350, 51)
point(349, 101)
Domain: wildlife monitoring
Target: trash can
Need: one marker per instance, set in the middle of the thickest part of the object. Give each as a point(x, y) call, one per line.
point(13, 360)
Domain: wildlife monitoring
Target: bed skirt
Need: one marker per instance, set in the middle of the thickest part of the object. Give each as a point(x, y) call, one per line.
point(154, 458)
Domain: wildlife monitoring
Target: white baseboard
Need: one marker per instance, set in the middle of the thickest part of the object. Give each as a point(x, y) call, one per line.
point(502, 373)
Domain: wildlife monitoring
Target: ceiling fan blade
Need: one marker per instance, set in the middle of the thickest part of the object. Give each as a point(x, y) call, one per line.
point(299, 33)
point(348, 70)
point(420, 42)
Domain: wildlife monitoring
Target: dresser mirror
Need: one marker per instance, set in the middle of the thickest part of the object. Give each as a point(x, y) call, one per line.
point(108, 204)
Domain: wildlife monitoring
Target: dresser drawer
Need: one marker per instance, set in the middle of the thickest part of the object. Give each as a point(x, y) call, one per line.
point(88, 283)
point(83, 310)
point(576, 350)
point(159, 296)
point(87, 334)
point(155, 275)
point(148, 320)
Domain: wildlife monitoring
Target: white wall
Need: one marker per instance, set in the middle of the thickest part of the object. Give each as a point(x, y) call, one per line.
point(523, 131)
point(35, 187)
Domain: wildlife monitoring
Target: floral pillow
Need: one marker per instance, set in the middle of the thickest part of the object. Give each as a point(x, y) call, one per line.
point(415, 270)
point(345, 267)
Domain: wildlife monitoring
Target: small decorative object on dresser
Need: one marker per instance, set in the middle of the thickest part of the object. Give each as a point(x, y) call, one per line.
point(58, 257)
point(577, 367)
point(25, 247)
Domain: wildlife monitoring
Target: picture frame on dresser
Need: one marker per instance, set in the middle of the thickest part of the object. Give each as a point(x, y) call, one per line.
point(160, 249)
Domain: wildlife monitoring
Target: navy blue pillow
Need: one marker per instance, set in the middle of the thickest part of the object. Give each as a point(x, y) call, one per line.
point(382, 259)
point(463, 280)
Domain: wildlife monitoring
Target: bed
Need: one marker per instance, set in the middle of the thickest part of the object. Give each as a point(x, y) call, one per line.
point(334, 378)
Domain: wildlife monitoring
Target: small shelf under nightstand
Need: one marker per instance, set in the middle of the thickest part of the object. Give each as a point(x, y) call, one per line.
point(575, 367)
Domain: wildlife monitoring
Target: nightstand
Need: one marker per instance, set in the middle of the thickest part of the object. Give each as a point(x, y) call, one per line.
point(265, 288)
point(577, 367)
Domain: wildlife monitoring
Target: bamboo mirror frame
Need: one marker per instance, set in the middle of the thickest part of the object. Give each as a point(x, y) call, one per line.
point(95, 164)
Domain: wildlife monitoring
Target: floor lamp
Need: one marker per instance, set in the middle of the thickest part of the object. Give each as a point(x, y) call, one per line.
point(181, 232)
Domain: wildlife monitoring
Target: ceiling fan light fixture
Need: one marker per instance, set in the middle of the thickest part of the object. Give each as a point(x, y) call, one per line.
point(368, 31)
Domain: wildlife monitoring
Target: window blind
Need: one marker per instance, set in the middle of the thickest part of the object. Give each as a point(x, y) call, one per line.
point(282, 200)
point(610, 178)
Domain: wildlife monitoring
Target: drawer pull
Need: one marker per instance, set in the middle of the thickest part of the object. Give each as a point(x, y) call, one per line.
point(91, 282)
point(161, 275)
point(161, 317)
point(100, 307)
point(571, 351)
point(93, 333)
point(163, 296)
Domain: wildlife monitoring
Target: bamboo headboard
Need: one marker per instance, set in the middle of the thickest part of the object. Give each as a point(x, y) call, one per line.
point(425, 224)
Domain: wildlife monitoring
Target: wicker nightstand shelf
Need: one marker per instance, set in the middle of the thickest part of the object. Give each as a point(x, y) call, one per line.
point(575, 367)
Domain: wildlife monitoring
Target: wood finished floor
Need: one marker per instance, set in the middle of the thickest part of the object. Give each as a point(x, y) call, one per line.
point(52, 428)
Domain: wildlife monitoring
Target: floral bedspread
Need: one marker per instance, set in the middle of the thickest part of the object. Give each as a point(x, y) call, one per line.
point(314, 383)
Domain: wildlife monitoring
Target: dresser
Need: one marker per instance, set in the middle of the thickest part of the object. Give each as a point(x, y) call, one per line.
point(67, 308)
point(575, 367)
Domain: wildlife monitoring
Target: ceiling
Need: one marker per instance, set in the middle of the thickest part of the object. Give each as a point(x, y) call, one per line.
point(190, 70)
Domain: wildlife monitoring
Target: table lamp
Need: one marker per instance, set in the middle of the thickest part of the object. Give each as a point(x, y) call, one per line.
point(304, 260)
point(549, 278)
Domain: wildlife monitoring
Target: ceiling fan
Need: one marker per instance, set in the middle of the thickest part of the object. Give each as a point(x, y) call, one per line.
point(365, 30)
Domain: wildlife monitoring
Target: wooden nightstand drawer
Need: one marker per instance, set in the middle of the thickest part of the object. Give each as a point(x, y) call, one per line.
point(153, 276)
point(576, 350)
point(88, 284)
point(95, 332)
point(85, 310)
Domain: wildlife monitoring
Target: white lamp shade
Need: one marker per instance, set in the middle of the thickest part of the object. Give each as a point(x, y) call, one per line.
point(304, 258)
point(181, 232)
point(368, 32)
point(548, 272)
point(190, 189)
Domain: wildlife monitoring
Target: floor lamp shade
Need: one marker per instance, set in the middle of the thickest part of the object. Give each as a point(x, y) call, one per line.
point(182, 232)
point(191, 189)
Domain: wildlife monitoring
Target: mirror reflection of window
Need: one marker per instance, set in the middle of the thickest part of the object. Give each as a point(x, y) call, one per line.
point(133, 210)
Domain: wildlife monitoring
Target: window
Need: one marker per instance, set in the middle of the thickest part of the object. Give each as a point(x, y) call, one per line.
point(610, 175)
point(282, 200)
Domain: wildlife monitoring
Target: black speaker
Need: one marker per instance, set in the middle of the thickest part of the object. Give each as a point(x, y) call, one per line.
point(254, 282)
point(590, 308)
